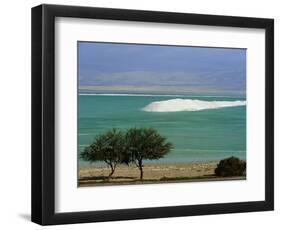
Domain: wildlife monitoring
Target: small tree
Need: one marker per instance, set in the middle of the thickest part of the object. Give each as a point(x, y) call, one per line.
point(109, 147)
point(145, 144)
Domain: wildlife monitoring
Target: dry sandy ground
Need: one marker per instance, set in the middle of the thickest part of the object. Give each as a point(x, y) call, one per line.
point(152, 173)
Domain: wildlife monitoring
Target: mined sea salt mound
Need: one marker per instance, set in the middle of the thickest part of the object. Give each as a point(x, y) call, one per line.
point(178, 105)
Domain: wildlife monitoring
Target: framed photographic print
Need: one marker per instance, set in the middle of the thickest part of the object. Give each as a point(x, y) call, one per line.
point(142, 114)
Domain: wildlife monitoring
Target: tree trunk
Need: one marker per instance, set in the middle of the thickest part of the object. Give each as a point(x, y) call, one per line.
point(141, 173)
point(112, 171)
point(140, 168)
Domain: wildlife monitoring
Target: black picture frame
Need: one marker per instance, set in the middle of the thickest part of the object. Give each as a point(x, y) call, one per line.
point(43, 114)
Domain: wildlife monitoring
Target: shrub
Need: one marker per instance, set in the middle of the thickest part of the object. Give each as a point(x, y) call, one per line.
point(231, 166)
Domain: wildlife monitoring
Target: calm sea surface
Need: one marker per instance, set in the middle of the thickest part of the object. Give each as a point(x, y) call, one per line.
point(205, 135)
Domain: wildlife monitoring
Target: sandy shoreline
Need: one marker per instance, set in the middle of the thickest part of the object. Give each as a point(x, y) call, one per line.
point(152, 173)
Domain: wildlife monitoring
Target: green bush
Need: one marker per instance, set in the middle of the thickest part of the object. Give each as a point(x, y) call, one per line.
point(231, 166)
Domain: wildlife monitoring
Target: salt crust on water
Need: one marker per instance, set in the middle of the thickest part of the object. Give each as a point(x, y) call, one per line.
point(178, 105)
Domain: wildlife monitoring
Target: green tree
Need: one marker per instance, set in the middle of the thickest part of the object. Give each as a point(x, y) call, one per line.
point(145, 144)
point(108, 147)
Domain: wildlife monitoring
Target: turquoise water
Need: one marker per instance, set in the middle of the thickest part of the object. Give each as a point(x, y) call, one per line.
point(204, 135)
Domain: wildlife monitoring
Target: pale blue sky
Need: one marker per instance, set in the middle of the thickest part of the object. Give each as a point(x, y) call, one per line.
point(197, 68)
